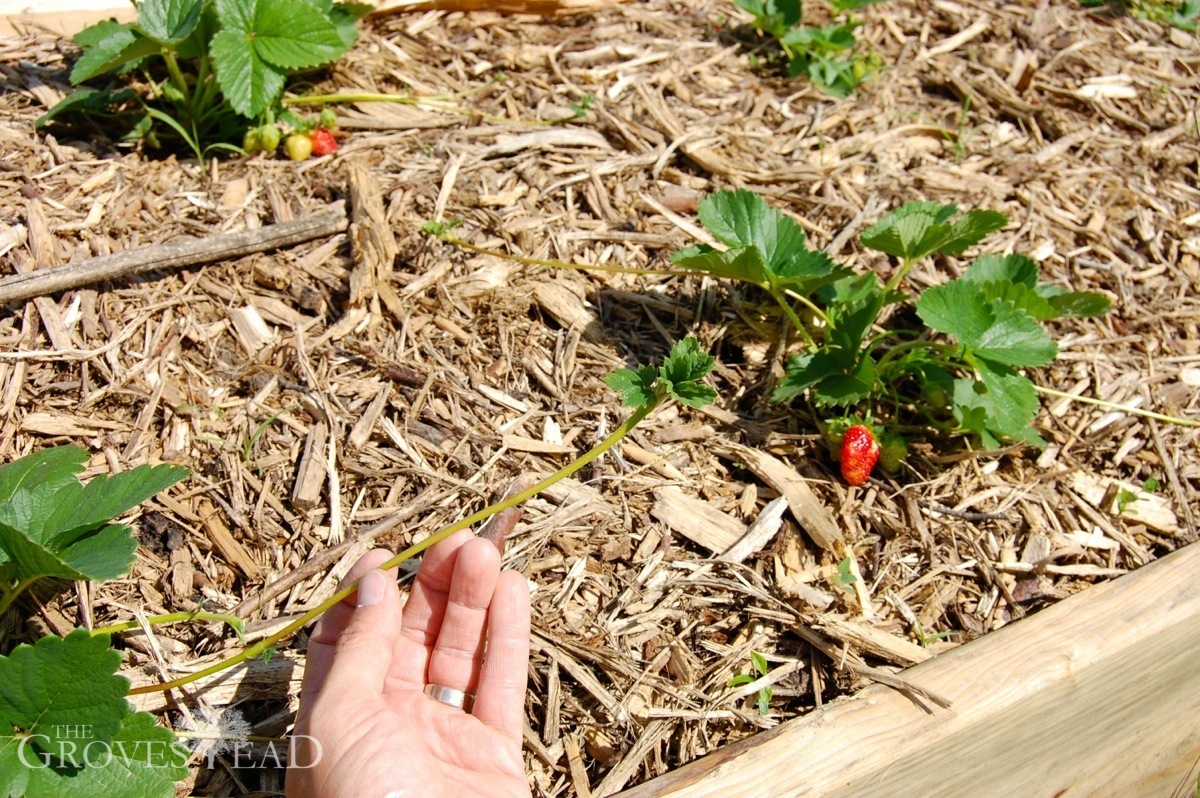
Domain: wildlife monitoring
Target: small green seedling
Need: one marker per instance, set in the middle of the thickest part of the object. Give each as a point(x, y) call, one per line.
point(1126, 497)
point(845, 575)
point(925, 639)
point(581, 108)
point(758, 664)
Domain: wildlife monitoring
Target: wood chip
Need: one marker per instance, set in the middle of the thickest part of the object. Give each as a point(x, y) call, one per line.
point(697, 520)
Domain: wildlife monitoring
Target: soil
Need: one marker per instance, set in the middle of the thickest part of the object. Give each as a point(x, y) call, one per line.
point(473, 371)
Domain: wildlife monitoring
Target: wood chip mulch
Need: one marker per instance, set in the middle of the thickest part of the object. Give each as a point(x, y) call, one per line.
point(448, 375)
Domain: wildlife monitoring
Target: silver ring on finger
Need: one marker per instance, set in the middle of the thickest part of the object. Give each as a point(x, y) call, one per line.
point(458, 699)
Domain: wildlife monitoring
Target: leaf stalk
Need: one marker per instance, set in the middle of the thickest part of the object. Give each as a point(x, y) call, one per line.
point(1087, 400)
point(566, 471)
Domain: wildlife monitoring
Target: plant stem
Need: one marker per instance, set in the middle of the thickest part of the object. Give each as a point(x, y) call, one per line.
point(792, 317)
point(253, 651)
point(905, 266)
point(176, 75)
point(403, 99)
point(558, 264)
point(1087, 400)
point(802, 299)
point(907, 346)
point(173, 617)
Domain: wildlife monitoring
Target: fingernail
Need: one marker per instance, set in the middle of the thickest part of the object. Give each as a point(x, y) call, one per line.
point(371, 588)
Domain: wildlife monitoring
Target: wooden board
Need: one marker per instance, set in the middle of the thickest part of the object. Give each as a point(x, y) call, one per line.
point(1098, 695)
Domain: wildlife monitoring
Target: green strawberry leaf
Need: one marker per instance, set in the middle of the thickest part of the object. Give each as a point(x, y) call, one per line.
point(52, 688)
point(295, 35)
point(806, 270)
point(248, 82)
point(1074, 303)
point(854, 304)
point(52, 526)
point(55, 467)
point(111, 45)
point(772, 17)
point(1021, 297)
point(766, 247)
point(825, 40)
point(237, 14)
point(1000, 404)
point(682, 371)
point(1013, 268)
point(743, 219)
point(103, 555)
point(804, 371)
point(67, 730)
point(636, 387)
point(105, 497)
point(169, 21)
point(843, 390)
point(744, 263)
point(991, 329)
point(345, 16)
point(917, 229)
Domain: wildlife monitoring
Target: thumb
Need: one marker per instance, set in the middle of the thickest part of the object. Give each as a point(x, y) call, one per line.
point(363, 653)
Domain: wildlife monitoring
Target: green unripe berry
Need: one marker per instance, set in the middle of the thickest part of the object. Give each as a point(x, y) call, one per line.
point(328, 119)
point(269, 137)
point(252, 141)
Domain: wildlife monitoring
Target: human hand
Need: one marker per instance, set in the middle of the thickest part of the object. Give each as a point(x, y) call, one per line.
point(366, 729)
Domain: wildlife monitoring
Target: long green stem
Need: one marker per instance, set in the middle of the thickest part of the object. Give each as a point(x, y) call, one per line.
point(907, 346)
point(808, 303)
point(793, 318)
point(1087, 400)
point(176, 75)
point(905, 267)
point(155, 620)
point(253, 651)
point(403, 99)
point(559, 264)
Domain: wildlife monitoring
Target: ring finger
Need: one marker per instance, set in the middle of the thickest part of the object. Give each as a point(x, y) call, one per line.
point(458, 651)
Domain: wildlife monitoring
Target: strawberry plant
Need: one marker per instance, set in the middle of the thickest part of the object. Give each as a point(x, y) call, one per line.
point(209, 65)
point(824, 54)
point(65, 726)
point(948, 359)
point(53, 527)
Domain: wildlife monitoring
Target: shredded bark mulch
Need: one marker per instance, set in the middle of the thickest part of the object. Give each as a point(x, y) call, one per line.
point(324, 412)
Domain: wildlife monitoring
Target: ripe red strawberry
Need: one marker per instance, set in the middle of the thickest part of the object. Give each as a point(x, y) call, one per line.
point(323, 142)
point(860, 451)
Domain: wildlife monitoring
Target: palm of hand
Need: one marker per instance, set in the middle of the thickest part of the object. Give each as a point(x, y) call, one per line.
point(365, 727)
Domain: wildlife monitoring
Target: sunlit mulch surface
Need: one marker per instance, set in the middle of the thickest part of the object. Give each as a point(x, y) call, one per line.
point(1081, 127)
